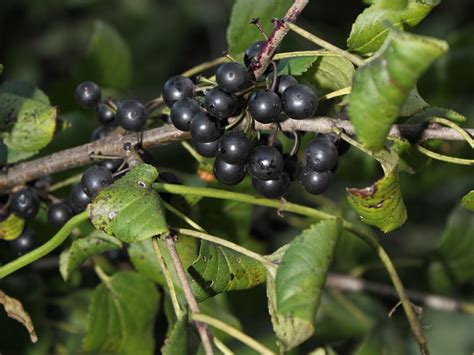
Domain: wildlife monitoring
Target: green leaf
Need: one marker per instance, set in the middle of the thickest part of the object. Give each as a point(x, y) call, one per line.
point(240, 33)
point(108, 60)
point(218, 269)
point(371, 27)
point(121, 315)
point(130, 209)
point(294, 295)
point(381, 204)
point(330, 74)
point(178, 341)
point(295, 66)
point(27, 119)
point(11, 227)
point(413, 104)
point(429, 112)
point(95, 243)
point(382, 86)
point(468, 201)
point(456, 246)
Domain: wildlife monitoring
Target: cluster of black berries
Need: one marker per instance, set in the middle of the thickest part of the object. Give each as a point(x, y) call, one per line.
point(131, 115)
point(236, 94)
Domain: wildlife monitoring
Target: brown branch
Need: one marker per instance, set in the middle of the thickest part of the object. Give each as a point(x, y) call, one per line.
point(355, 284)
point(117, 146)
point(263, 59)
point(188, 294)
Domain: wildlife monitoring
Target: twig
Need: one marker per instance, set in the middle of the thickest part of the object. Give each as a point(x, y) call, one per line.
point(79, 156)
point(188, 294)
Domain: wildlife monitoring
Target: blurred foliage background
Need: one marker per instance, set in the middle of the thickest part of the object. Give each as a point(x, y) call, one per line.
point(52, 44)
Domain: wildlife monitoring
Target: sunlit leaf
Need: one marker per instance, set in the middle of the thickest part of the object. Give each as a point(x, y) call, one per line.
point(330, 74)
point(11, 227)
point(295, 66)
point(468, 201)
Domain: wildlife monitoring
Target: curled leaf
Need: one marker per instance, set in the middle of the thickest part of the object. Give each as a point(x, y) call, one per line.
point(15, 310)
point(11, 227)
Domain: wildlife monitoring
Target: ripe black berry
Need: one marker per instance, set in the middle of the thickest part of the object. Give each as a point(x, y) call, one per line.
point(321, 154)
point(131, 115)
point(284, 82)
point(25, 242)
point(232, 77)
point(220, 104)
point(59, 214)
point(229, 174)
point(177, 88)
point(208, 150)
point(183, 112)
point(274, 188)
point(101, 132)
point(265, 106)
point(252, 52)
point(111, 164)
point(88, 94)
point(234, 147)
point(313, 182)
point(265, 140)
point(25, 203)
point(78, 199)
point(341, 145)
point(105, 115)
point(265, 163)
point(95, 179)
point(299, 102)
point(205, 129)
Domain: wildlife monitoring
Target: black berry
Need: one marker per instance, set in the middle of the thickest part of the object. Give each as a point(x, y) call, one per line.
point(321, 154)
point(274, 188)
point(315, 183)
point(88, 94)
point(131, 115)
point(111, 164)
point(59, 214)
point(234, 147)
point(78, 199)
point(25, 203)
point(95, 179)
point(299, 102)
point(229, 174)
point(208, 150)
point(183, 112)
point(284, 82)
point(265, 106)
point(220, 104)
point(101, 132)
point(265, 140)
point(252, 52)
point(232, 77)
point(177, 88)
point(292, 166)
point(341, 145)
point(25, 242)
point(265, 163)
point(205, 129)
point(105, 115)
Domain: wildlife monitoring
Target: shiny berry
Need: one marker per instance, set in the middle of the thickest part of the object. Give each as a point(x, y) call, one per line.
point(315, 183)
point(183, 112)
point(105, 115)
point(220, 104)
point(284, 82)
point(59, 214)
point(265, 163)
point(274, 188)
point(88, 94)
point(208, 150)
point(252, 52)
point(265, 106)
point(131, 115)
point(25, 203)
point(232, 77)
point(78, 199)
point(205, 129)
point(111, 165)
point(234, 147)
point(95, 179)
point(321, 154)
point(341, 145)
point(177, 88)
point(299, 102)
point(25, 242)
point(229, 174)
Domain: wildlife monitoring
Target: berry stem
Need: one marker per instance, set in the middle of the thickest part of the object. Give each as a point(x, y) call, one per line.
point(363, 233)
point(181, 215)
point(256, 21)
point(233, 332)
point(445, 158)
point(204, 66)
point(337, 93)
point(296, 144)
point(46, 248)
point(316, 53)
point(326, 45)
